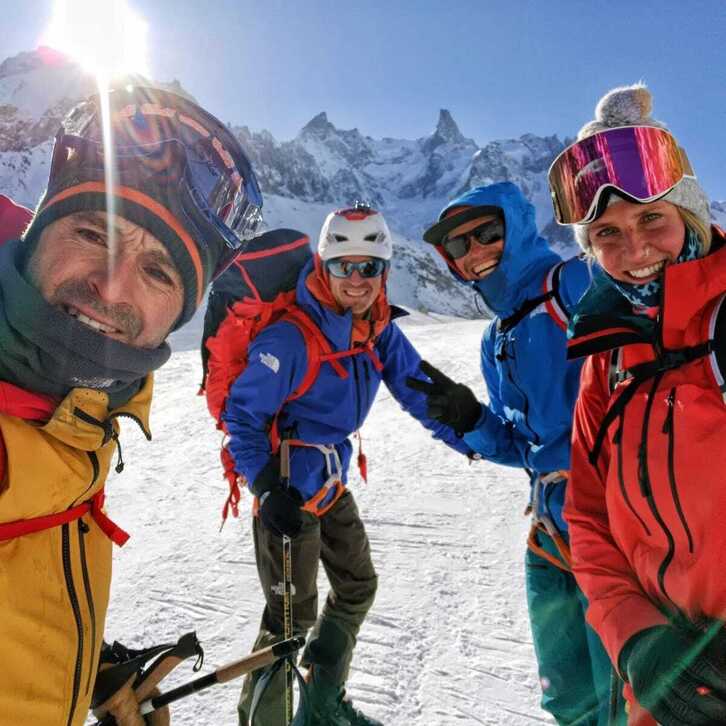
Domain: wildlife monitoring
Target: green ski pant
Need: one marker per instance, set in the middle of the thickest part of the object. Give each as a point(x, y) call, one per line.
point(574, 669)
point(339, 541)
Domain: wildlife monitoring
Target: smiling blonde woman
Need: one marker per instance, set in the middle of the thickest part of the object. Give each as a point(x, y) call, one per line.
point(645, 503)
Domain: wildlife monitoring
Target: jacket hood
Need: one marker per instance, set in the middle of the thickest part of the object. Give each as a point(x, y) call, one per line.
point(526, 255)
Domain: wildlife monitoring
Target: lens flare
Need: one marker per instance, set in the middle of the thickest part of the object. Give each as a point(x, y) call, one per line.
point(106, 38)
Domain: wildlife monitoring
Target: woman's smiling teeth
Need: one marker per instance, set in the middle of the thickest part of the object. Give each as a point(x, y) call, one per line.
point(647, 271)
point(90, 322)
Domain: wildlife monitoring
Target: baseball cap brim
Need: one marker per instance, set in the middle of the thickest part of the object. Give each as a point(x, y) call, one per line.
point(436, 233)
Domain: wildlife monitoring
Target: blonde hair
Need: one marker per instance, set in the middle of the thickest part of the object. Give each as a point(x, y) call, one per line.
point(696, 224)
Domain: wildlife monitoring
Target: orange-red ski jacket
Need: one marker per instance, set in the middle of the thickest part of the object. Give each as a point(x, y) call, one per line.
point(647, 513)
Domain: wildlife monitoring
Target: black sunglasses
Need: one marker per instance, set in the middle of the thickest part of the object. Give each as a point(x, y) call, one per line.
point(344, 268)
point(485, 234)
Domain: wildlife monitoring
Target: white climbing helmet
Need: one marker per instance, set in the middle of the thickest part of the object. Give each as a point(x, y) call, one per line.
point(356, 230)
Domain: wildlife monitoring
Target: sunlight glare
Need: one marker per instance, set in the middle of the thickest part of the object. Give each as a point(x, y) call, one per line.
point(107, 38)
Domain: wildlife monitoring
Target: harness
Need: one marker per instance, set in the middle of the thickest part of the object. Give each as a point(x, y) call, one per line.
point(546, 525)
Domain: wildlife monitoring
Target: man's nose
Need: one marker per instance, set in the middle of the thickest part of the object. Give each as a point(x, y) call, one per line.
point(113, 281)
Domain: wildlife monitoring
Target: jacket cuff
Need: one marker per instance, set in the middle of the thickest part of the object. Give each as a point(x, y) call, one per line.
point(632, 615)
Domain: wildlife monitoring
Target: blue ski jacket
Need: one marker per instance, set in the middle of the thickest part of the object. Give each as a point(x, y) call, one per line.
point(332, 408)
point(532, 386)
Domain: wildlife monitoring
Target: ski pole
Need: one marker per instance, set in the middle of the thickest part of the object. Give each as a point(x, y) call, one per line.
point(287, 584)
point(254, 661)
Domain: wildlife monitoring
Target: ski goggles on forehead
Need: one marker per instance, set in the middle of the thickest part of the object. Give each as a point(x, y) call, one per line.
point(642, 162)
point(368, 268)
point(485, 234)
point(170, 141)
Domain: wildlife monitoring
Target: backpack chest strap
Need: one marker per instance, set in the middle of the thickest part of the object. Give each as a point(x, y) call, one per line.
point(94, 506)
point(639, 374)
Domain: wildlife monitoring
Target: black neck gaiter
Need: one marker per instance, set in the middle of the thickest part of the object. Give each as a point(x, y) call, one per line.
point(45, 350)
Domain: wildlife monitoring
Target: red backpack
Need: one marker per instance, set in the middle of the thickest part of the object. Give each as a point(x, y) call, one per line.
point(257, 290)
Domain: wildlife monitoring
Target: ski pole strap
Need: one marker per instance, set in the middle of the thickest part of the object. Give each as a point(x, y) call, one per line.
point(303, 715)
point(94, 506)
point(127, 662)
point(248, 664)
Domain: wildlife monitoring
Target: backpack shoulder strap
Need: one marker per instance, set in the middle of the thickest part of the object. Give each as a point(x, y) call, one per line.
point(317, 348)
point(550, 297)
point(554, 304)
point(717, 334)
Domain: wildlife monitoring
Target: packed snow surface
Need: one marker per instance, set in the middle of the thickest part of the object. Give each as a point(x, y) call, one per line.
point(447, 642)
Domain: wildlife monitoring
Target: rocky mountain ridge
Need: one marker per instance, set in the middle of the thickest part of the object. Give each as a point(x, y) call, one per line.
point(304, 178)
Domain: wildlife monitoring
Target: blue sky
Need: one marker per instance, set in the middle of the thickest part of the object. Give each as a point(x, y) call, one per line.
point(502, 68)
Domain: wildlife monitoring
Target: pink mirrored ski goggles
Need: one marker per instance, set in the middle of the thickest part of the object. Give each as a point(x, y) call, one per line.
point(643, 163)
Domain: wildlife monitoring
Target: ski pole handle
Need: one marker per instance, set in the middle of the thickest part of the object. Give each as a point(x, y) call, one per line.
point(252, 662)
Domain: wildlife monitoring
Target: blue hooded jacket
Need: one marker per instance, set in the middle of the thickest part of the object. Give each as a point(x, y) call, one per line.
point(332, 408)
point(532, 386)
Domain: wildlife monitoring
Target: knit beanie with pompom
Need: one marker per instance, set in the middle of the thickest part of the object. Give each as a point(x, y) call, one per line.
point(631, 106)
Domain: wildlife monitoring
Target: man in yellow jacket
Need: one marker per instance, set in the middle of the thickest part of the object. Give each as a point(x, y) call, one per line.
point(118, 254)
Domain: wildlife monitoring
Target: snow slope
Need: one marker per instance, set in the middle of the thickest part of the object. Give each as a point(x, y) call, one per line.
point(447, 642)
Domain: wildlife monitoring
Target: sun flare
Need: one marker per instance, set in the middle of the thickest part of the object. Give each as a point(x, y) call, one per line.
point(107, 38)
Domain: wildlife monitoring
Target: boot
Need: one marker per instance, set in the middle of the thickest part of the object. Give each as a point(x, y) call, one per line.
point(330, 707)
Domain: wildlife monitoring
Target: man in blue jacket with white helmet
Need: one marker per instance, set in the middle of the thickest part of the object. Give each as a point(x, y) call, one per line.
point(488, 238)
point(342, 293)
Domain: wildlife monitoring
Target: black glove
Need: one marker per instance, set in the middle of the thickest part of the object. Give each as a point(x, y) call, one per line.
point(676, 676)
point(279, 507)
point(450, 403)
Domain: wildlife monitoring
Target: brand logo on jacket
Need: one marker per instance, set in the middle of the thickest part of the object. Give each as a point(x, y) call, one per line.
point(270, 361)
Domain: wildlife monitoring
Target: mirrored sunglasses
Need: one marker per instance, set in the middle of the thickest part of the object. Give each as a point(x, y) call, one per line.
point(369, 268)
point(485, 234)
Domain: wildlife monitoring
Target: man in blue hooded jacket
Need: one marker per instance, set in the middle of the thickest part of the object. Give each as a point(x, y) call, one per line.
point(488, 238)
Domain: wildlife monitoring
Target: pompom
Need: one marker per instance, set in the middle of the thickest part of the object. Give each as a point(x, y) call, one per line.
point(623, 106)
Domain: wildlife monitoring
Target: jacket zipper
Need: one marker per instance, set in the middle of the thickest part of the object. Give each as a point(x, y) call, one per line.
point(617, 440)
point(669, 428)
point(96, 469)
point(647, 491)
point(83, 529)
point(75, 606)
point(525, 405)
point(366, 372)
point(354, 361)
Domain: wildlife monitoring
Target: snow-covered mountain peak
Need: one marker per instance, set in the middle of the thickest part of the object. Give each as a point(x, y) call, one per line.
point(718, 213)
point(29, 61)
point(323, 167)
point(447, 138)
point(35, 82)
point(317, 126)
point(448, 130)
